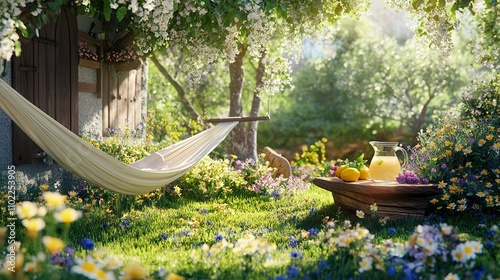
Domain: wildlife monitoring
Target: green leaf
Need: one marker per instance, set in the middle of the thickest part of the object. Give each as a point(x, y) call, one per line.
point(120, 13)
point(107, 10)
point(17, 48)
point(416, 3)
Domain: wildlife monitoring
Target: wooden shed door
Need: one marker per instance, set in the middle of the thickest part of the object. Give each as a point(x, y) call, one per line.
point(46, 74)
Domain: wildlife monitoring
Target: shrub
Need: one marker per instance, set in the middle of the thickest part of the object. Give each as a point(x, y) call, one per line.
point(461, 152)
point(312, 161)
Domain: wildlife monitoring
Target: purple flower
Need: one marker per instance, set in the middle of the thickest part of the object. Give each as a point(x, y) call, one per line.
point(293, 242)
point(163, 236)
point(443, 166)
point(219, 237)
point(87, 244)
point(293, 271)
point(313, 231)
point(433, 170)
point(296, 255)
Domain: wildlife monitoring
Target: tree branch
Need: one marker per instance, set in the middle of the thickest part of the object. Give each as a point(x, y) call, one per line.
point(180, 91)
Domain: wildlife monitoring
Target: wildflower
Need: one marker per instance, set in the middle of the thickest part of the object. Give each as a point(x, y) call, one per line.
point(173, 276)
point(442, 184)
point(26, 210)
point(458, 254)
point(391, 230)
point(111, 262)
point(72, 194)
point(293, 271)
point(134, 271)
point(87, 244)
point(360, 214)
point(480, 194)
point(313, 231)
point(87, 268)
point(33, 226)
point(53, 199)
point(219, 237)
point(293, 242)
point(434, 200)
point(296, 255)
point(44, 187)
point(343, 240)
point(53, 244)
point(446, 229)
point(373, 207)
point(365, 264)
point(451, 276)
point(67, 215)
point(163, 236)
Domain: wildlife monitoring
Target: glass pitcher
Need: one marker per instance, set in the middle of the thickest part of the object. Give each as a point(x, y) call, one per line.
point(385, 165)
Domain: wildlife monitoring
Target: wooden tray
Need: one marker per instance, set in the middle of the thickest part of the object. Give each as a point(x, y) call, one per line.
point(393, 199)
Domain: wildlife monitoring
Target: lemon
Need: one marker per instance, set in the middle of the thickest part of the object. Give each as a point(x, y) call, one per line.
point(350, 174)
point(339, 170)
point(363, 172)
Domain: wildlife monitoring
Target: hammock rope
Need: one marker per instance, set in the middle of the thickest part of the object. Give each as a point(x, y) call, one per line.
point(91, 164)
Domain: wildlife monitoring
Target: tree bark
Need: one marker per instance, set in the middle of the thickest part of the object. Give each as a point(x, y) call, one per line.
point(237, 75)
point(256, 102)
point(180, 91)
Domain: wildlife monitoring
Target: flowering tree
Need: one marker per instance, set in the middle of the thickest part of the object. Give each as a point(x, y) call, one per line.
point(207, 30)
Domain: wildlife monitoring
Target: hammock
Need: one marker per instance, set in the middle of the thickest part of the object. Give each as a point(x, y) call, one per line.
point(89, 163)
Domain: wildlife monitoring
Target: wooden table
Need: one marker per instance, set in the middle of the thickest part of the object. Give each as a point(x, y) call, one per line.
point(393, 199)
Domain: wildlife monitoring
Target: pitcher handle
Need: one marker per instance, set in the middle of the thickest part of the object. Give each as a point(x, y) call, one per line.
point(405, 156)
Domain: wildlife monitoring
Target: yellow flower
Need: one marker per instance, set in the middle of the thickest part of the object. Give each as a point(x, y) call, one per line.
point(481, 142)
point(134, 271)
point(468, 164)
point(489, 137)
point(53, 244)
point(434, 200)
point(480, 194)
point(53, 199)
point(72, 194)
point(446, 196)
point(33, 226)
point(68, 215)
point(44, 187)
point(26, 210)
point(87, 268)
point(374, 207)
point(173, 276)
point(451, 206)
point(441, 184)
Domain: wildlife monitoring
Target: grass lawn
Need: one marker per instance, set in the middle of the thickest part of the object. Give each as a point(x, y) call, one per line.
point(285, 237)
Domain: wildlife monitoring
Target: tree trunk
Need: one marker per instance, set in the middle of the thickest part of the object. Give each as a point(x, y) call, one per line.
point(256, 102)
point(237, 74)
point(180, 91)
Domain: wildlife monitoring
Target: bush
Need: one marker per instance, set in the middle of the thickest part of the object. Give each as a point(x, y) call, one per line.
point(461, 152)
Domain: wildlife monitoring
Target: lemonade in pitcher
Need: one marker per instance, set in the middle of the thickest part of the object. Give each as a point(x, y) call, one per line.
point(384, 168)
point(385, 164)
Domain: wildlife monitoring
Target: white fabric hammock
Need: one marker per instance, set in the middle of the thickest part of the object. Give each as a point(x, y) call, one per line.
point(99, 168)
